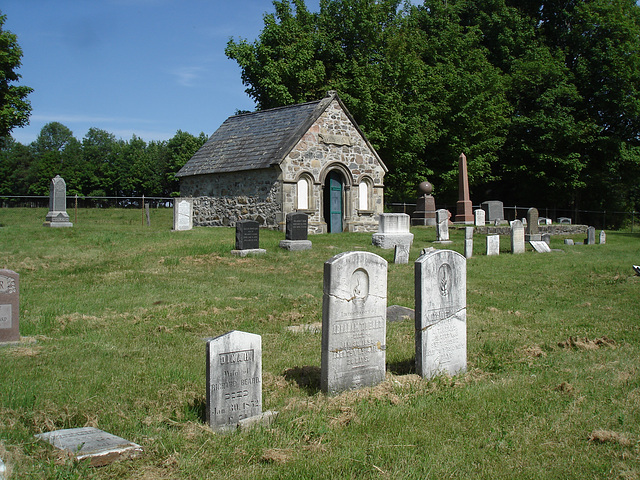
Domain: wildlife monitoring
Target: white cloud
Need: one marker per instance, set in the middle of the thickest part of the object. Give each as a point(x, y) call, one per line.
point(188, 76)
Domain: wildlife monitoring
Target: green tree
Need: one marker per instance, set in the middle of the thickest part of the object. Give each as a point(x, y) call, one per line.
point(180, 149)
point(14, 106)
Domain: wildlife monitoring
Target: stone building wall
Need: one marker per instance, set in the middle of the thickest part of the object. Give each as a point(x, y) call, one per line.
point(334, 143)
point(224, 198)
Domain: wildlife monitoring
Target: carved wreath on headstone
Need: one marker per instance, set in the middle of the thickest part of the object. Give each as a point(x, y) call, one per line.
point(7, 284)
point(444, 279)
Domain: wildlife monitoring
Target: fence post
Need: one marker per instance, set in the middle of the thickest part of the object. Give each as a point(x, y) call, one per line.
point(76, 210)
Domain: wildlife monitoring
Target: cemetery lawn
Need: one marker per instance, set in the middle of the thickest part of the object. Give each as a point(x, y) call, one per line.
point(114, 314)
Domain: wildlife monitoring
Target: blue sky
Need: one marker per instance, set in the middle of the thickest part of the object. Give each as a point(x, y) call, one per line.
point(143, 67)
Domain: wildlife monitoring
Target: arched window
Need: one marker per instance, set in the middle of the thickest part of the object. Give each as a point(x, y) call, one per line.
point(363, 195)
point(302, 202)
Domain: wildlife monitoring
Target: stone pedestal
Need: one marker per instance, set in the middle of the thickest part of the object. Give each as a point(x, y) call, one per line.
point(425, 212)
point(393, 229)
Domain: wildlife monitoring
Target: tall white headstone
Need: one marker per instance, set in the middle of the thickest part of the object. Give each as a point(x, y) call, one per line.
point(183, 214)
point(441, 313)
point(479, 216)
point(517, 237)
point(493, 244)
point(442, 226)
point(468, 242)
point(354, 321)
point(234, 379)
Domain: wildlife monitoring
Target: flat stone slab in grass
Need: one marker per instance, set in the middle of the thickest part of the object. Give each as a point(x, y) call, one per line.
point(540, 246)
point(310, 327)
point(397, 313)
point(251, 251)
point(100, 447)
point(296, 245)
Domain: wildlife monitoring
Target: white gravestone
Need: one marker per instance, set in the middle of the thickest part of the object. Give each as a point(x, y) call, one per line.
point(442, 226)
point(540, 246)
point(441, 313)
point(603, 237)
point(101, 448)
point(480, 216)
point(493, 244)
point(517, 237)
point(468, 242)
point(183, 214)
point(401, 254)
point(234, 379)
point(354, 324)
point(393, 229)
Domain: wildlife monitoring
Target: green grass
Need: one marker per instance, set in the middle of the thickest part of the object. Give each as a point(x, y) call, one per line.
point(118, 312)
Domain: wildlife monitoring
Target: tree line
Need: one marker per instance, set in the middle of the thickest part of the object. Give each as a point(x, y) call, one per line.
point(98, 165)
point(542, 96)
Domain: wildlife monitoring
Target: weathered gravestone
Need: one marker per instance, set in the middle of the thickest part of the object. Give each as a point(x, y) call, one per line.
point(546, 238)
point(296, 231)
point(468, 242)
point(564, 220)
point(57, 216)
point(9, 306)
point(183, 214)
point(568, 241)
point(441, 313)
point(479, 216)
point(540, 246)
point(401, 254)
point(354, 326)
point(101, 448)
point(393, 229)
point(533, 232)
point(493, 244)
point(247, 238)
point(517, 237)
point(591, 236)
point(603, 237)
point(442, 226)
point(494, 210)
point(234, 379)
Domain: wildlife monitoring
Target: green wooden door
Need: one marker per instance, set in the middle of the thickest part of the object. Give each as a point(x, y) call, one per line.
point(335, 203)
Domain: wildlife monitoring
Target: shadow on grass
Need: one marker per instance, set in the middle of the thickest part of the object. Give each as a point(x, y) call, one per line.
point(197, 408)
point(403, 367)
point(307, 377)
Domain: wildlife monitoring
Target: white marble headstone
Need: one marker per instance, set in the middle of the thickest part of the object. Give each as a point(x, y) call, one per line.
point(480, 216)
point(234, 379)
point(183, 214)
point(493, 244)
point(354, 325)
point(517, 237)
point(441, 313)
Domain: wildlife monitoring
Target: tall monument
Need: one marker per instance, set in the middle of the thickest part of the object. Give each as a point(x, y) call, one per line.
point(57, 216)
point(464, 208)
point(425, 212)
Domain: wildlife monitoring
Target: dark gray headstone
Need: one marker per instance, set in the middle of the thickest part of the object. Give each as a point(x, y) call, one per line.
point(494, 210)
point(441, 313)
point(247, 235)
point(532, 222)
point(591, 236)
point(234, 379)
point(354, 325)
point(9, 306)
point(297, 226)
point(101, 448)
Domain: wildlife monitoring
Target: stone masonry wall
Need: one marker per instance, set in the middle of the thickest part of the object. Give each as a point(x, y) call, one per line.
point(222, 199)
point(333, 142)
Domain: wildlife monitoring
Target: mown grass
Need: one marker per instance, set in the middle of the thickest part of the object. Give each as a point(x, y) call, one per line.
point(118, 312)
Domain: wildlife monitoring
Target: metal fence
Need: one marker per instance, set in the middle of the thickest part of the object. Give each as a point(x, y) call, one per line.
point(41, 201)
point(606, 220)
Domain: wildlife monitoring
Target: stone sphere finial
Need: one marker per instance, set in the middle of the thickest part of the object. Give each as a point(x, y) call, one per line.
point(425, 188)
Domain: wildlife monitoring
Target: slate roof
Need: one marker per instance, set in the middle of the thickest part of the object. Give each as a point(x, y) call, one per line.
point(254, 140)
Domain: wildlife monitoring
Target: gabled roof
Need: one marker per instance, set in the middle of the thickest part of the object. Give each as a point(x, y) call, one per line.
point(257, 140)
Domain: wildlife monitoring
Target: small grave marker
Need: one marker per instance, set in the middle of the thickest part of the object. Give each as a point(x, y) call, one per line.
point(234, 379)
point(441, 313)
point(401, 254)
point(296, 231)
point(101, 448)
point(493, 244)
point(183, 214)
point(517, 237)
point(603, 237)
point(479, 216)
point(57, 216)
point(468, 241)
point(354, 325)
point(247, 238)
point(442, 226)
point(9, 306)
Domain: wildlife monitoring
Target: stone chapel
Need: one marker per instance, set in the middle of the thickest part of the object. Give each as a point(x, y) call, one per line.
point(311, 158)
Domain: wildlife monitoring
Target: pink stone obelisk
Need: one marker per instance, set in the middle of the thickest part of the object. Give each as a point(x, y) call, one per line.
point(464, 208)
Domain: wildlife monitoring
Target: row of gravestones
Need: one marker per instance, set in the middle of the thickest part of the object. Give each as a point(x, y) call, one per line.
point(353, 349)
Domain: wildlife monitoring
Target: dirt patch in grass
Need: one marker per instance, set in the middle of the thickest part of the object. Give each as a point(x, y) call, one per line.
point(29, 351)
point(564, 387)
point(529, 352)
point(586, 344)
point(277, 455)
point(609, 436)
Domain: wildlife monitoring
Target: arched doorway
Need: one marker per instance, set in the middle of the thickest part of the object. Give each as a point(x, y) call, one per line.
point(333, 204)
